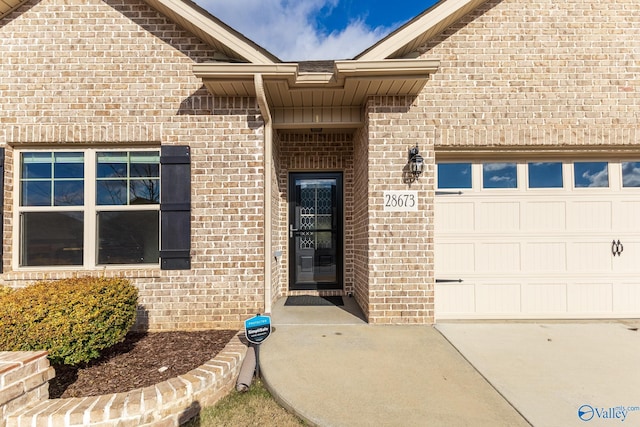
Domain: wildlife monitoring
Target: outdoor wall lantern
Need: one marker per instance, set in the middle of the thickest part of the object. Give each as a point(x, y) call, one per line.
point(416, 162)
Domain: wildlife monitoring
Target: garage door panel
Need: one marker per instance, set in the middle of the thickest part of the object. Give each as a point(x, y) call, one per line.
point(455, 298)
point(592, 298)
point(550, 257)
point(629, 259)
point(627, 215)
point(544, 298)
point(456, 217)
point(589, 215)
point(498, 257)
point(499, 298)
point(498, 216)
point(544, 216)
point(455, 258)
point(626, 298)
point(590, 256)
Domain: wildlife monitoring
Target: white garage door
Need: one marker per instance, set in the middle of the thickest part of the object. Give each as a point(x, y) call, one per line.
point(538, 240)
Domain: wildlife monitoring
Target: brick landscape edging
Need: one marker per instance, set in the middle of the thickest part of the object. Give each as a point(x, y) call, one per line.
point(168, 403)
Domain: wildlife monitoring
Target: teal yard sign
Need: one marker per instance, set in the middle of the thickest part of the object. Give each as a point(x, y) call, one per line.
point(257, 329)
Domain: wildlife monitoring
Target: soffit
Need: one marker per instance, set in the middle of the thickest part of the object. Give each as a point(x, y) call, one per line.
point(6, 6)
point(323, 99)
point(405, 41)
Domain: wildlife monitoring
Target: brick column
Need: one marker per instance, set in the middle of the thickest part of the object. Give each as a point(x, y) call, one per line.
point(400, 244)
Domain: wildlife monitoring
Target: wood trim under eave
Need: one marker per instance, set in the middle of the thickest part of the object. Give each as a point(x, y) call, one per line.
point(8, 7)
point(400, 68)
point(387, 67)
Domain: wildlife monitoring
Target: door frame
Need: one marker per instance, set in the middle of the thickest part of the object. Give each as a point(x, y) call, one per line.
point(338, 176)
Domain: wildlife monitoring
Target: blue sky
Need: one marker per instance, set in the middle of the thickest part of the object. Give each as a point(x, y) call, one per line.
point(315, 29)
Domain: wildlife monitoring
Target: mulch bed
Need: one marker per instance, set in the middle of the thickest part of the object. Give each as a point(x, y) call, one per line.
point(141, 360)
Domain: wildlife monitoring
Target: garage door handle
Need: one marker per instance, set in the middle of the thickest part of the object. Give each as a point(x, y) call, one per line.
point(617, 248)
point(448, 280)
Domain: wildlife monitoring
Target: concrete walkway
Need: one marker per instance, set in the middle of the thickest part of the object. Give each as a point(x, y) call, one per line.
point(332, 369)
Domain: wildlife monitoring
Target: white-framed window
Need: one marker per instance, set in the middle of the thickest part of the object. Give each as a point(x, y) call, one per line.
point(87, 207)
point(631, 174)
point(591, 174)
point(499, 175)
point(545, 175)
point(548, 175)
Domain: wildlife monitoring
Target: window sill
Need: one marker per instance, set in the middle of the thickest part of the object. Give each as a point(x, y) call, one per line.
point(43, 273)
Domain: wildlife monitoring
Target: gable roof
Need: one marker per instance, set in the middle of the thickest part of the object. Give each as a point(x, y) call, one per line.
point(404, 42)
point(234, 46)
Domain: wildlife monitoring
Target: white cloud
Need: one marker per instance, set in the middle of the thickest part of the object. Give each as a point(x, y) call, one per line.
point(288, 29)
point(597, 179)
point(631, 174)
point(497, 178)
point(493, 167)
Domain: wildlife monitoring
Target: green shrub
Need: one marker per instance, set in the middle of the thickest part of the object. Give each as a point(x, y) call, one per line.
point(73, 319)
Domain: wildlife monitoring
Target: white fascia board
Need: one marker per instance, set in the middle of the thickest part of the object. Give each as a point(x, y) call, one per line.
point(232, 70)
point(413, 29)
point(289, 71)
point(216, 31)
point(387, 67)
point(343, 69)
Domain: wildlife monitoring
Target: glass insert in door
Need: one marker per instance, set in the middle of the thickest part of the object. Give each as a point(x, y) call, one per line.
point(315, 231)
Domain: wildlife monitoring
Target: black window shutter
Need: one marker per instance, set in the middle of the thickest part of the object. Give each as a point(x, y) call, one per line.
point(175, 208)
point(1, 206)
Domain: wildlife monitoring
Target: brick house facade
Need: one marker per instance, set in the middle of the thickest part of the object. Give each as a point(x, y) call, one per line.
point(474, 84)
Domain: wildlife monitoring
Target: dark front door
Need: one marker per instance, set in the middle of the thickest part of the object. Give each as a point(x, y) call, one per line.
point(315, 230)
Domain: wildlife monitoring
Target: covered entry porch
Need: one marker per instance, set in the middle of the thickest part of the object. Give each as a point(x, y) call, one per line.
point(354, 122)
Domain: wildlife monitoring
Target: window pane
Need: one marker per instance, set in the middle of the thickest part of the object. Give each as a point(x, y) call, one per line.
point(591, 174)
point(145, 164)
point(69, 165)
point(36, 193)
point(454, 175)
point(144, 192)
point(499, 175)
point(631, 174)
point(36, 165)
point(52, 238)
point(46, 171)
point(68, 193)
point(112, 192)
point(128, 237)
point(545, 175)
point(112, 165)
point(131, 168)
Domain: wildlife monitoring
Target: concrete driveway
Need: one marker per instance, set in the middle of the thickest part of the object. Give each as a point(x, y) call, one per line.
point(558, 373)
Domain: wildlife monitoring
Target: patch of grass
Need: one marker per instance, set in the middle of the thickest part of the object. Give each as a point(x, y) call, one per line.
point(255, 407)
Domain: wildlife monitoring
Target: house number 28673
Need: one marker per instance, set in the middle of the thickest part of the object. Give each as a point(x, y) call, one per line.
point(400, 201)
